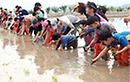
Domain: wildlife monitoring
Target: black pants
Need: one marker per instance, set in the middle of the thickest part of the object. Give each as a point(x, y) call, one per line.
point(31, 29)
point(73, 44)
point(67, 30)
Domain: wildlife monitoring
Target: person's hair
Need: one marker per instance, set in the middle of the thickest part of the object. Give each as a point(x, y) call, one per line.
point(10, 18)
point(37, 4)
point(104, 35)
point(5, 9)
point(56, 36)
point(15, 19)
point(92, 5)
point(10, 11)
point(93, 19)
point(21, 19)
point(82, 22)
point(1, 8)
point(40, 19)
point(35, 21)
point(0, 17)
point(34, 14)
point(57, 19)
point(101, 10)
point(17, 11)
point(19, 7)
point(16, 6)
point(81, 8)
point(36, 9)
point(92, 8)
point(49, 22)
point(43, 19)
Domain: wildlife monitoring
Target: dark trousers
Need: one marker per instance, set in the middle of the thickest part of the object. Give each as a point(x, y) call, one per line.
point(73, 44)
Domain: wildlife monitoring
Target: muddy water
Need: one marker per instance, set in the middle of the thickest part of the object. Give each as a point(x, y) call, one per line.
point(120, 25)
point(23, 61)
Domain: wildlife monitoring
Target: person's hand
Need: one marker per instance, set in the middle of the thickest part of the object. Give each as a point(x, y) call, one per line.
point(93, 61)
point(118, 52)
point(86, 48)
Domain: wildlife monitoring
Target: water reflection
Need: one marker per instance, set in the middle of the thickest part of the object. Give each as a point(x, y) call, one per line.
point(22, 61)
point(120, 25)
point(16, 66)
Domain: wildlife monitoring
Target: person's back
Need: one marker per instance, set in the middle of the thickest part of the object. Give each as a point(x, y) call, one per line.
point(69, 22)
point(73, 19)
point(107, 27)
point(123, 33)
point(121, 36)
point(124, 42)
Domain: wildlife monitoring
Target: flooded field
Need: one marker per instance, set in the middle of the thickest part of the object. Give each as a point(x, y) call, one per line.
point(23, 61)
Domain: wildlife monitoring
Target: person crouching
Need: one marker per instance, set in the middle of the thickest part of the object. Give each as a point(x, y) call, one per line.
point(65, 42)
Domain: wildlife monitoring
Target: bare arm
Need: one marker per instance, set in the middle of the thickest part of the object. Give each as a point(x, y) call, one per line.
point(11, 24)
point(92, 42)
point(102, 53)
point(72, 28)
point(124, 49)
point(43, 32)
